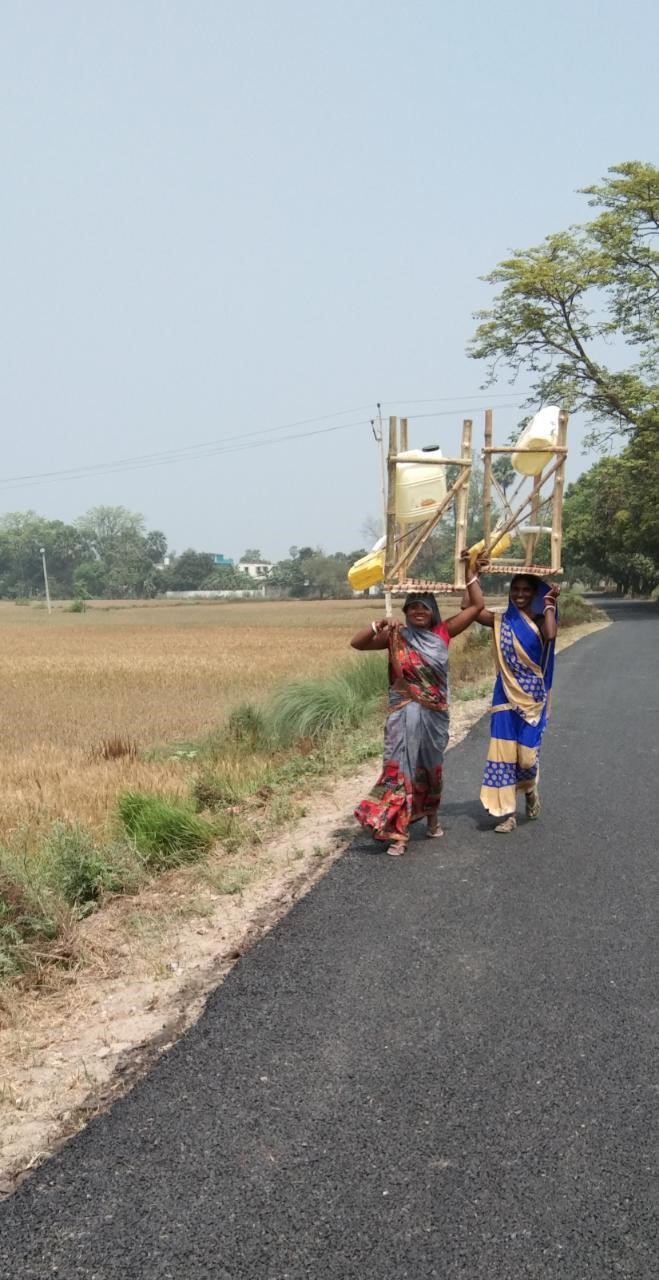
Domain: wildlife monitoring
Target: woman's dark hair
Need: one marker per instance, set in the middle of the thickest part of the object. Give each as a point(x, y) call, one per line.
point(533, 580)
point(427, 598)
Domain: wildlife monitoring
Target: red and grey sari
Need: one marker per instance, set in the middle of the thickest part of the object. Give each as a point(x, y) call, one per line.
point(416, 733)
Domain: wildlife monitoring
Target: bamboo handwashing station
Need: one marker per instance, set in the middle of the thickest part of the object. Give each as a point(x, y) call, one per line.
point(419, 495)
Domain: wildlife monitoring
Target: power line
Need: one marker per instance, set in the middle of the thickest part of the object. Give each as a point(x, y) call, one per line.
point(474, 395)
point(187, 449)
point(214, 448)
point(162, 460)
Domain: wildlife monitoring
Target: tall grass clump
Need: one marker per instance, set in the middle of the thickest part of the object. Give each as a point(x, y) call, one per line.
point(368, 677)
point(248, 727)
point(115, 747)
point(24, 929)
point(166, 831)
point(31, 919)
point(478, 637)
point(82, 871)
point(313, 709)
point(472, 660)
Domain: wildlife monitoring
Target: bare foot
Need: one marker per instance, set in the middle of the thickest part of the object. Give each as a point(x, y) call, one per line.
point(533, 805)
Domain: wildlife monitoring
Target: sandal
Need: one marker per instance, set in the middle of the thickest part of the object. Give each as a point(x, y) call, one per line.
point(397, 848)
point(509, 824)
point(434, 832)
point(533, 805)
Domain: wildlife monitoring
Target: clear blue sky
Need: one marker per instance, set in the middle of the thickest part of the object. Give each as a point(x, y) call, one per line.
point(224, 217)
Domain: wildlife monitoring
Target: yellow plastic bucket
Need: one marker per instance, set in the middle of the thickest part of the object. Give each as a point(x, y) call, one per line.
point(498, 549)
point(367, 571)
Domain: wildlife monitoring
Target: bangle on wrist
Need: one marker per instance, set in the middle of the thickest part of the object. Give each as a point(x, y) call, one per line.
point(548, 606)
point(472, 581)
point(374, 629)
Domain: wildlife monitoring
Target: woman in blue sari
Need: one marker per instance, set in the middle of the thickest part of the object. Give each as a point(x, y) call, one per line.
point(524, 638)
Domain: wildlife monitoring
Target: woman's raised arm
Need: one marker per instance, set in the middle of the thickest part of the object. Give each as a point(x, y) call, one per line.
point(473, 606)
point(549, 623)
point(484, 616)
point(374, 636)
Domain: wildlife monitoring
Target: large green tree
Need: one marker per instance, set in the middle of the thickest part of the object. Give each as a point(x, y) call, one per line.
point(122, 554)
point(611, 518)
point(188, 572)
point(22, 536)
point(578, 314)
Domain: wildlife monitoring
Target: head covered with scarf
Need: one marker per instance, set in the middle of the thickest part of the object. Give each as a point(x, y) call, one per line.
point(425, 598)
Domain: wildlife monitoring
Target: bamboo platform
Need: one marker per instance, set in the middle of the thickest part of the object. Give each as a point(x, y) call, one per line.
point(518, 566)
point(419, 584)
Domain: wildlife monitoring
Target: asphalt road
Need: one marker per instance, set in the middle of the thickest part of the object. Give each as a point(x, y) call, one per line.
point(434, 1066)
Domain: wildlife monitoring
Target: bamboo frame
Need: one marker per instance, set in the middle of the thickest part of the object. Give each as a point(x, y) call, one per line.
point(462, 509)
point(557, 505)
point(531, 539)
point(487, 479)
point(513, 448)
point(403, 444)
point(531, 503)
point(402, 547)
point(390, 531)
point(424, 530)
point(401, 551)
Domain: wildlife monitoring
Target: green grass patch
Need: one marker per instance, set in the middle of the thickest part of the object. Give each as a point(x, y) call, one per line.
point(471, 692)
point(313, 709)
point(167, 832)
point(24, 928)
point(248, 726)
point(81, 870)
point(32, 919)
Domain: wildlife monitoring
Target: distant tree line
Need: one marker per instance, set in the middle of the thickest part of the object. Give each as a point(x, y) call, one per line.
point(109, 553)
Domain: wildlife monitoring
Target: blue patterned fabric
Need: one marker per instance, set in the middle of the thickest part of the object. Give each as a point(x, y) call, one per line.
point(520, 704)
point(525, 677)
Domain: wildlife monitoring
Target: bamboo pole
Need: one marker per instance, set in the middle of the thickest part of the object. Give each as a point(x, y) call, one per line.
point(487, 478)
point(403, 446)
point(531, 539)
point(462, 510)
point(513, 448)
point(433, 461)
point(390, 532)
point(557, 503)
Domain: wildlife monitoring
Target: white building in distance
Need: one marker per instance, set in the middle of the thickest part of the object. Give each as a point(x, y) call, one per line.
point(258, 569)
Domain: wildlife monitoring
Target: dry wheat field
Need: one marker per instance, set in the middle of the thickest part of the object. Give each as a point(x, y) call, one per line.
point(156, 673)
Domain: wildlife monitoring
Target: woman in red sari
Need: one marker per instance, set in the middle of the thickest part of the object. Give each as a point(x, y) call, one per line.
point(416, 731)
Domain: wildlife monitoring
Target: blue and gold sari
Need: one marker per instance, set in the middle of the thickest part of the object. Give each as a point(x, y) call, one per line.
point(520, 705)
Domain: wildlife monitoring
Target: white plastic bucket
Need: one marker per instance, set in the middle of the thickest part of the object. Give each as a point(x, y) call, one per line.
point(420, 487)
point(540, 432)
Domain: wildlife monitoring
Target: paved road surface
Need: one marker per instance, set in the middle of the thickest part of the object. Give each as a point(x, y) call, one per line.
point(438, 1066)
